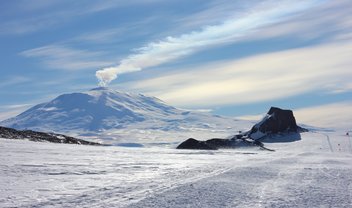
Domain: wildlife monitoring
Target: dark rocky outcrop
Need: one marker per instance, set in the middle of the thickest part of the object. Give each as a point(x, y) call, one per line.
point(211, 144)
point(215, 144)
point(219, 143)
point(9, 133)
point(195, 144)
point(276, 123)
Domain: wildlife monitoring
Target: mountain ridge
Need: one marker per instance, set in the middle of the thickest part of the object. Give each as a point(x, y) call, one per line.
point(35, 136)
point(102, 109)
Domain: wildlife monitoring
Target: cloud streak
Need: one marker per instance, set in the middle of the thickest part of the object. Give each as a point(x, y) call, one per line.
point(313, 24)
point(62, 57)
point(15, 80)
point(8, 111)
point(255, 79)
point(172, 48)
point(42, 15)
point(334, 115)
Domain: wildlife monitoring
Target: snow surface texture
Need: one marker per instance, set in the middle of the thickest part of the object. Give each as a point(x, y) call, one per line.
point(312, 172)
point(110, 116)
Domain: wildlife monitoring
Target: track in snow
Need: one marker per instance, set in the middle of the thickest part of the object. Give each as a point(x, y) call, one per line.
point(349, 141)
point(302, 174)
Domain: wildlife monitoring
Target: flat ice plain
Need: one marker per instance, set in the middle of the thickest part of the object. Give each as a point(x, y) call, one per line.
point(313, 172)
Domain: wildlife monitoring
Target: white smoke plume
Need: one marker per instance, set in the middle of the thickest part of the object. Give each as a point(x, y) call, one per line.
point(156, 53)
point(106, 75)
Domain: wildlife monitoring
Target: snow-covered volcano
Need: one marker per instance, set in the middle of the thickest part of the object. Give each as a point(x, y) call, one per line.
point(103, 109)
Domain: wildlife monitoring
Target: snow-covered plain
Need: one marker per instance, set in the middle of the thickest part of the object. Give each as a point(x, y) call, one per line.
point(313, 172)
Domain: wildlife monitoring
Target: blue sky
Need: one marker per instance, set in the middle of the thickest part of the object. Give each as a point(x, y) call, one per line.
point(234, 58)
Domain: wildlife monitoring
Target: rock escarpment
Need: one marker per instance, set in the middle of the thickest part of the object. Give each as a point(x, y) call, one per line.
point(195, 144)
point(275, 124)
point(275, 121)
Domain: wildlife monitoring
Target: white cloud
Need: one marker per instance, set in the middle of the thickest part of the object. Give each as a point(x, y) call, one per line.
point(102, 36)
point(254, 79)
point(9, 111)
point(251, 117)
point(62, 57)
point(335, 115)
point(16, 106)
point(42, 14)
point(331, 20)
point(14, 80)
point(8, 114)
point(156, 53)
point(214, 13)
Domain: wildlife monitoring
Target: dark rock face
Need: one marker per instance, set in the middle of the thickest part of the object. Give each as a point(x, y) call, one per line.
point(9, 133)
point(216, 143)
point(195, 144)
point(276, 122)
point(219, 143)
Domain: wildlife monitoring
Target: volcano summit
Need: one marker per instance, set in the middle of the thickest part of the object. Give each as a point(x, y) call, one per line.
point(101, 109)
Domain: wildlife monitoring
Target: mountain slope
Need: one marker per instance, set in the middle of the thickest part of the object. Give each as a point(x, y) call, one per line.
point(104, 110)
point(35, 136)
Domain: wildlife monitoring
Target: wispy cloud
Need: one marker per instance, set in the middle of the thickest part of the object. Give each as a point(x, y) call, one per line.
point(14, 80)
point(215, 12)
point(335, 115)
point(8, 111)
point(63, 57)
point(40, 15)
point(101, 36)
point(118, 33)
point(313, 24)
point(156, 53)
point(16, 106)
point(251, 117)
point(254, 79)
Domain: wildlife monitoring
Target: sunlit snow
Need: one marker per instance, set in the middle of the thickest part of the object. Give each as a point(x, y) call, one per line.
point(312, 172)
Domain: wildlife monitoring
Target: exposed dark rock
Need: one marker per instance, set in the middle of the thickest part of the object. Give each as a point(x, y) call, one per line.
point(276, 121)
point(216, 143)
point(282, 138)
point(219, 143)
point(9, 133)
point(195, 144)
point(277, 126)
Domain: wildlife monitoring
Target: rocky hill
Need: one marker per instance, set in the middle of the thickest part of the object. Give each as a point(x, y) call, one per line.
point(9, 133)
point(275, 126)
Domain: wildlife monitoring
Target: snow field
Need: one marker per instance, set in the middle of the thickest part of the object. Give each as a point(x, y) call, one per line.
point(308, 173)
